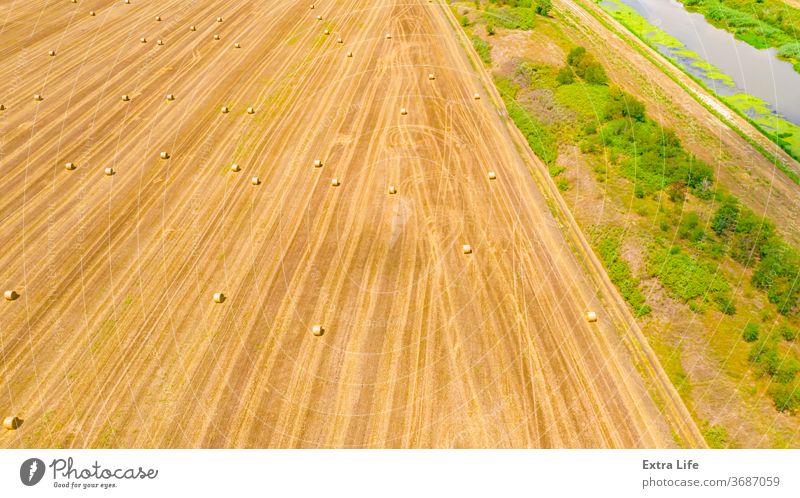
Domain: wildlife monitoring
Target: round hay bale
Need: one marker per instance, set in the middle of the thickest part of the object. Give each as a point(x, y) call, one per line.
point(12, 423)
point(388, 36)
point(317, 163)
point(236, 45)
point(143, 40)
point(250, 110)
point(255, 181)
point(170, 96)
point(110, 172)
point(317, 330)
point(10, 295)
point(225, 110)
point(467, 249)
point(125, 98)
point(38, 97)
point(127, 2)
point(476, 96)
point(69, 166)
point(164, 155)
point(431, 76)
point(403, 111)
point(219, 297)
point(326, 32)
point(339, 40)
point(319, 18)
point(335, 182)
point(219, 19)
point(392, 190)
point(159, 42)
point(492, 175)
point(235, 168)
point(91, 13)
point(158, 18)
point(591, 316)
point(311, 6)
point(216, 37)
point(349, 54)
point(2, 107)
point(192, 28)
point(51, 53)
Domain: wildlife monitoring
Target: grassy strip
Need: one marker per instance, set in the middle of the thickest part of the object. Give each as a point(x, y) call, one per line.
point(606, 241)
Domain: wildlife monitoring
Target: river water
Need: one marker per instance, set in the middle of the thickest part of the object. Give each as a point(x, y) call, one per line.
point(757, 72)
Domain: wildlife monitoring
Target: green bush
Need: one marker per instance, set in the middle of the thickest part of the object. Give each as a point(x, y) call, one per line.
point(778, 273)
point(543, 7)
point(565, 76)
point(586, 66)
point(716, 437)
point(750, 332)
point(786, 397)
point(726, 216)
point(687, 279)
point(787, 332)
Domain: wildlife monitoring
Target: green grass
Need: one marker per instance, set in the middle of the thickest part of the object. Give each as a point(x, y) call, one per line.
point(483, 48)
point(521, 18)
point(539, 138)
point(607, 241)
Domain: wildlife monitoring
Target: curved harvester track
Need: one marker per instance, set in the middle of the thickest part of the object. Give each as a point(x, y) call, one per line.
point(115, 340)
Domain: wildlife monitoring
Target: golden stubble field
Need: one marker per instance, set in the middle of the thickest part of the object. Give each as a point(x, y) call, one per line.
point(116, 340)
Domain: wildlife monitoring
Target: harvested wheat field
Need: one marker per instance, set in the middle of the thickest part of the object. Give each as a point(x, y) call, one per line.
point(264, 244)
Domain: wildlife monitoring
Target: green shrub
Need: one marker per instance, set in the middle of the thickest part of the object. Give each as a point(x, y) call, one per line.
point(787, 332)
point(790, 50)
point(586, 66)
point(716, 436)
point(726, 216)
point(778, 273)
point(686, 278)
point(786, 397)
point(565, 76)
point(750, 332)
point(543, 7)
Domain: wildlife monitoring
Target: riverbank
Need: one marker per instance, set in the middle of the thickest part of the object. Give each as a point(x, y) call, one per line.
point(759, 23)
point(759, 113)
